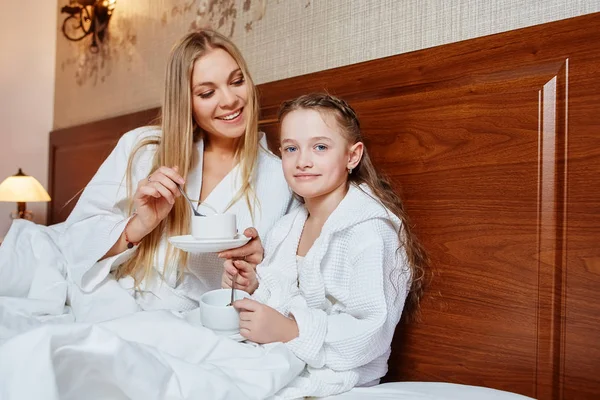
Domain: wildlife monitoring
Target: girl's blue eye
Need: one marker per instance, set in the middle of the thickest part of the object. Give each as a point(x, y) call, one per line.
point(238, 82)
point(321, 147)
point(290, 149)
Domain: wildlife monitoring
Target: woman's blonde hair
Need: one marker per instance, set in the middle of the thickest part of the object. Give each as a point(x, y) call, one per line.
point(176, 144)
point(366, 173)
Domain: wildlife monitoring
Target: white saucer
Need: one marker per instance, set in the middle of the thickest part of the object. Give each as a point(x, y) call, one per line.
point(189, 244)
point(195, 318)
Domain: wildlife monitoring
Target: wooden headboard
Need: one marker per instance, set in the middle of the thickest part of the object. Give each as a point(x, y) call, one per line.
point(494, 143)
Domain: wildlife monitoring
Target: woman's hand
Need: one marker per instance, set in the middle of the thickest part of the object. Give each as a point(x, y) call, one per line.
point(263, 324)
point(252, 252)
point(153, 200)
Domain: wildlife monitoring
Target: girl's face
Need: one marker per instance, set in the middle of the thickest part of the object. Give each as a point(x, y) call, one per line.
point(315, 156)
point(219, 95)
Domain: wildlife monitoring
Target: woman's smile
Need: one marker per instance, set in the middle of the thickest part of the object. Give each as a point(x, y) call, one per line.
point(232, 117)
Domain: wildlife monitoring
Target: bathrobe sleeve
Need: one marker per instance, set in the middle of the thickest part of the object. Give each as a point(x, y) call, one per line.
point(98, 219)
point(364, 330)
point(278, 281)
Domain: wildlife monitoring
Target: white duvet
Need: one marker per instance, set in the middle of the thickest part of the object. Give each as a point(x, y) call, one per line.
point(44, 354)
point(148, 355)
point(122, 353)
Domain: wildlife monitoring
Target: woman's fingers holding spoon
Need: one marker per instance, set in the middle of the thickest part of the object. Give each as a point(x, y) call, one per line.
point(171, 173)
point(167, 178)
point(154, 190)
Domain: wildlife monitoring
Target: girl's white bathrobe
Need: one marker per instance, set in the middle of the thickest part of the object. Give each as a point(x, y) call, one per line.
point(100, 216)
point(346, 294)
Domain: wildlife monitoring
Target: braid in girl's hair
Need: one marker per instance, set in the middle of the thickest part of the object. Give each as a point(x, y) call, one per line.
point(365, 172)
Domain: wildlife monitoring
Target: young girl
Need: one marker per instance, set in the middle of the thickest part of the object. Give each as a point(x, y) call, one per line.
point(337, 271)
point(209, 144)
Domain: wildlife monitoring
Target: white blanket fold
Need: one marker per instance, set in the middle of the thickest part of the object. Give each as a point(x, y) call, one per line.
point(147, 355)
point(133, 354)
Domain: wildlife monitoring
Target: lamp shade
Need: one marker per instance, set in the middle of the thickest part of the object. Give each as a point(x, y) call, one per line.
point(22, 188)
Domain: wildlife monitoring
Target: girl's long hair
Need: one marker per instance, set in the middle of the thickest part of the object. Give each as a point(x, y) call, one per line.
point(366, 173)
point(175, 147)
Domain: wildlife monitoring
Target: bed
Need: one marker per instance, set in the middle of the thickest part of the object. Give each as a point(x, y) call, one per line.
point(494, 143)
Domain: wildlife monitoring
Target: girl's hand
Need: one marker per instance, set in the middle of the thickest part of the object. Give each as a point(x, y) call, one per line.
point(263, 324)
point(244, 274)
point(241, 263)
point(252, 252)
point(153, 200)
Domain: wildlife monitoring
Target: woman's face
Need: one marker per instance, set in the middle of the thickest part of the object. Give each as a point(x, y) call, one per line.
point(219, 95)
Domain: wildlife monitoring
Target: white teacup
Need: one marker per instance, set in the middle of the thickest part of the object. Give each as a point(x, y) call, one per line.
point(217, 315)
point(216, 226)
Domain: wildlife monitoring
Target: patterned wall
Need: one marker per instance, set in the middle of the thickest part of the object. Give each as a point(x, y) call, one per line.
point(279, 38)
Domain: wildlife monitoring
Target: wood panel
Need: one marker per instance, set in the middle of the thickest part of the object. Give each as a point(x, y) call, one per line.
point(494, 144)
point(77, 152)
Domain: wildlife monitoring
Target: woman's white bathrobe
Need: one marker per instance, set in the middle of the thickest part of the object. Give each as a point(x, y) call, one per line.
point(100, 216)
point(346, 295)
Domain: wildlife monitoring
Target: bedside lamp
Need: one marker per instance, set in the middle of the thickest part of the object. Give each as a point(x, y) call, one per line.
point(21, 188)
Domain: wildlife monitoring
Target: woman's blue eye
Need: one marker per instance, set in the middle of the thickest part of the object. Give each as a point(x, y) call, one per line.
point(289, 149)
point(321, 147)
point(238, 82)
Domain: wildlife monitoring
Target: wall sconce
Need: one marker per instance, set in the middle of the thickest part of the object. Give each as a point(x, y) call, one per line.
point(87, 17)
point(21, 188)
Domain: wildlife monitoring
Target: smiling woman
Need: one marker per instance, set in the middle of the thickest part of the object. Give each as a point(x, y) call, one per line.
point(209, 144)
point(219, 96)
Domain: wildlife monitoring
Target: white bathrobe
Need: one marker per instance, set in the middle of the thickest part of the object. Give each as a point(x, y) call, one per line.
point(346, 294)
point(100, 216)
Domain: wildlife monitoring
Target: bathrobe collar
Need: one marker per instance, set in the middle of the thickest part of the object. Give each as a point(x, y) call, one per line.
point(357, 206)
point(221, 197)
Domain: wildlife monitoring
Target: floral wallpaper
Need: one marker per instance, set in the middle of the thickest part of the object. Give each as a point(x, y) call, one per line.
point(278, 38)
point(118, 47)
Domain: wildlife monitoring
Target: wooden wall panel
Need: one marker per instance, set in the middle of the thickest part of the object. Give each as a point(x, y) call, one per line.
point(77, 152)
point(580, 353)
point(494, 144)
point(479, 138)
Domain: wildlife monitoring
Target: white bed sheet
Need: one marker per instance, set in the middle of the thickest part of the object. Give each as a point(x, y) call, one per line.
point(45, 355)
point(116, 353)
point(147, 355)
point(426, 391)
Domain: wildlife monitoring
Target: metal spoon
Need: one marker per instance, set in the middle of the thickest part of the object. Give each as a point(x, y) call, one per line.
point(196, 213)
point(232, 290)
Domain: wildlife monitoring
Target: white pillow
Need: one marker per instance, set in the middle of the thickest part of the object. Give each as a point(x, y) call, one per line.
point(426, 391)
